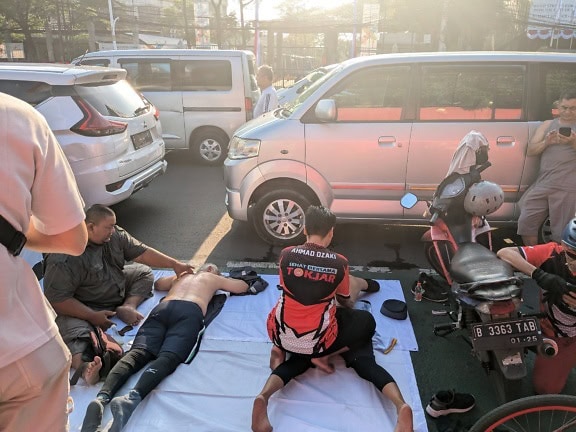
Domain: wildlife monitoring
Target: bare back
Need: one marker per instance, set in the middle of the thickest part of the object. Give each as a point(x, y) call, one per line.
point(200, 288)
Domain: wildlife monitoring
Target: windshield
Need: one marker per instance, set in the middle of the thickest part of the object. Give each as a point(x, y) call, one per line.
point(313, 86)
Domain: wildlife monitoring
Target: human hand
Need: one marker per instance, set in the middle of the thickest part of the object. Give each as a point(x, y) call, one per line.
point(570, 298)
point(101, 319)
point(555, 288)
point(181, 268)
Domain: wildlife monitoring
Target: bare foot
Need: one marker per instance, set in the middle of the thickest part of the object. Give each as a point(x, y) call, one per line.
point(277, 357)
point(323, 363)
point(129, 315)
point(405, 423)
point(260, 421)
point(91, 372)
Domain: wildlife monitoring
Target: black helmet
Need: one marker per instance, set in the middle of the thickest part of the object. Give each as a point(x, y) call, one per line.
point(569, 234)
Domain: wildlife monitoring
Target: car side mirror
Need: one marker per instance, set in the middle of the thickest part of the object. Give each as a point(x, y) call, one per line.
point(326, 110)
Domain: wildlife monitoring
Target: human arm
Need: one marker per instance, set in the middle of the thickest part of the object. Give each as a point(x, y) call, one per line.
point(71, 242)
point(165, 283)
point(512, 256)
point(234, 286)
point(74, 308)
point(555, 288)
point(541, 139)
point(154, 258)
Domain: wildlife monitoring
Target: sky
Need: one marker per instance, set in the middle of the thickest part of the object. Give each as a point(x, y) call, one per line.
point(267, 8)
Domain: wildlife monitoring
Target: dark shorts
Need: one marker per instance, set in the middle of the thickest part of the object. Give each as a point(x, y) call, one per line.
point(355, 331)
point(173, 326)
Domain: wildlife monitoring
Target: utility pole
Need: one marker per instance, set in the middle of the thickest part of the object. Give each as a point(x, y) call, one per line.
point(112, 24)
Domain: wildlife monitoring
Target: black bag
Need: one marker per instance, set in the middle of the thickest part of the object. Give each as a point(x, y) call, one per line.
point(250, 276)
point(104, 346)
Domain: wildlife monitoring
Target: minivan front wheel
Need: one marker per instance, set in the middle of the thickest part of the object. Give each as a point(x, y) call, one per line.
point(210, 147)
point(278, 217)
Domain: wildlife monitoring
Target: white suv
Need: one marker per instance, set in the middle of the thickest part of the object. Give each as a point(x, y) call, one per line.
point(110, 134)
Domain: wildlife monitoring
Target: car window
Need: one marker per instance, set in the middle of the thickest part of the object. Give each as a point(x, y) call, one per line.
point(374, 94)
point(148, 75)
point(203, 75)
point(118, 99)
point(32, 92)
point(471, 93)
point(557, 78)
point(94, 62)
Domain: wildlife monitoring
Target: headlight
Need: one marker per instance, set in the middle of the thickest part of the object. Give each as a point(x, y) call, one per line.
point(243, 148)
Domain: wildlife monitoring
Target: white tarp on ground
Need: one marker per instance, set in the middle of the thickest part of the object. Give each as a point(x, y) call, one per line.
point(215, 392)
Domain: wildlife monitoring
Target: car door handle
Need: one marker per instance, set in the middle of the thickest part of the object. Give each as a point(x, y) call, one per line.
point(505, 141)
point(388, 141)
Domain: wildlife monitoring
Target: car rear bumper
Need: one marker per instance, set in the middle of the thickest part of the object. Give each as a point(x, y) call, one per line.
point(129, 185)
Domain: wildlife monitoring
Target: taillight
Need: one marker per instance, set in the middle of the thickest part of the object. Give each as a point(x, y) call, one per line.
point(248, 107)
point(502, 307)
point(156, 112)
point(93, 123)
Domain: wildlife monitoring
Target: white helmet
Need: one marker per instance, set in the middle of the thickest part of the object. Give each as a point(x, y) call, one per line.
point(483, 198)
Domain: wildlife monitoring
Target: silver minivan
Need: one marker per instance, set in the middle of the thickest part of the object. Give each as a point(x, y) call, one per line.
point(377, 127)
point(202, 95)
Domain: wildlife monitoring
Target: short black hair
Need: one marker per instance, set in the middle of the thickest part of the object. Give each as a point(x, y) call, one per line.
point(267, 71)
point(97, 212)
point(319, 220)
point(568, 94)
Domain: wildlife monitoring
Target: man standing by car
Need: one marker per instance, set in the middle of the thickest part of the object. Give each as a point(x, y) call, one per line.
point(553, 267)
point(38, 197)
point(89, 289)
point(553, 193)
point(268, 99)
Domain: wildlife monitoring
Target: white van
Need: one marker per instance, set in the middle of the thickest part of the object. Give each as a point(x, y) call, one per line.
point(203, 95)
point(377, 127)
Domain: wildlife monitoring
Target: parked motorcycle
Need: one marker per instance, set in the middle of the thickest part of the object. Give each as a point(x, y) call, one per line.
point(458, 246)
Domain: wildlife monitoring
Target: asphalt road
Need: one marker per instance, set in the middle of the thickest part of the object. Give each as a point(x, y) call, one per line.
point(183, 214)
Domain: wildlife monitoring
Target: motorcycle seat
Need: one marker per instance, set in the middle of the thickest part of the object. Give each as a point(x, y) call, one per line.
point(480, 274)
point(473, 263)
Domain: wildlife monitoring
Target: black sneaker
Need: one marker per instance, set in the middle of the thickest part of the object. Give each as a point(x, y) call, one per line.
point(447, 402)
point(434, 290)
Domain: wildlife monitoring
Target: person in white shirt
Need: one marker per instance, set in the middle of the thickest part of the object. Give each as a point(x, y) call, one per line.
point(268, 99)
point(38, 198)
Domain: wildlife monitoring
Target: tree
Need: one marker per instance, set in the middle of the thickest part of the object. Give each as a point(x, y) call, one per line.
point(243, 4)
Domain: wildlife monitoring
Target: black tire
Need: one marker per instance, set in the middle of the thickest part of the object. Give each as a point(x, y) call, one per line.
point(545, 232)
point(278, 217)
point(542, 413)
point(432, 256)
point(210, 147)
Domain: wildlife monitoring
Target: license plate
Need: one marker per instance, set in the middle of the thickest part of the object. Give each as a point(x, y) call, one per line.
point(142, 139)
point(506, 334)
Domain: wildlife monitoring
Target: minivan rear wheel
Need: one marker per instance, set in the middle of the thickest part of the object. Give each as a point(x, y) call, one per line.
point(545, 232)
point(278, 217)
point(210, 147)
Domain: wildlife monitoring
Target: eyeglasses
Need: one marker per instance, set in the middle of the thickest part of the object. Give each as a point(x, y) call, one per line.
point(571, 253)
point(567, 108)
